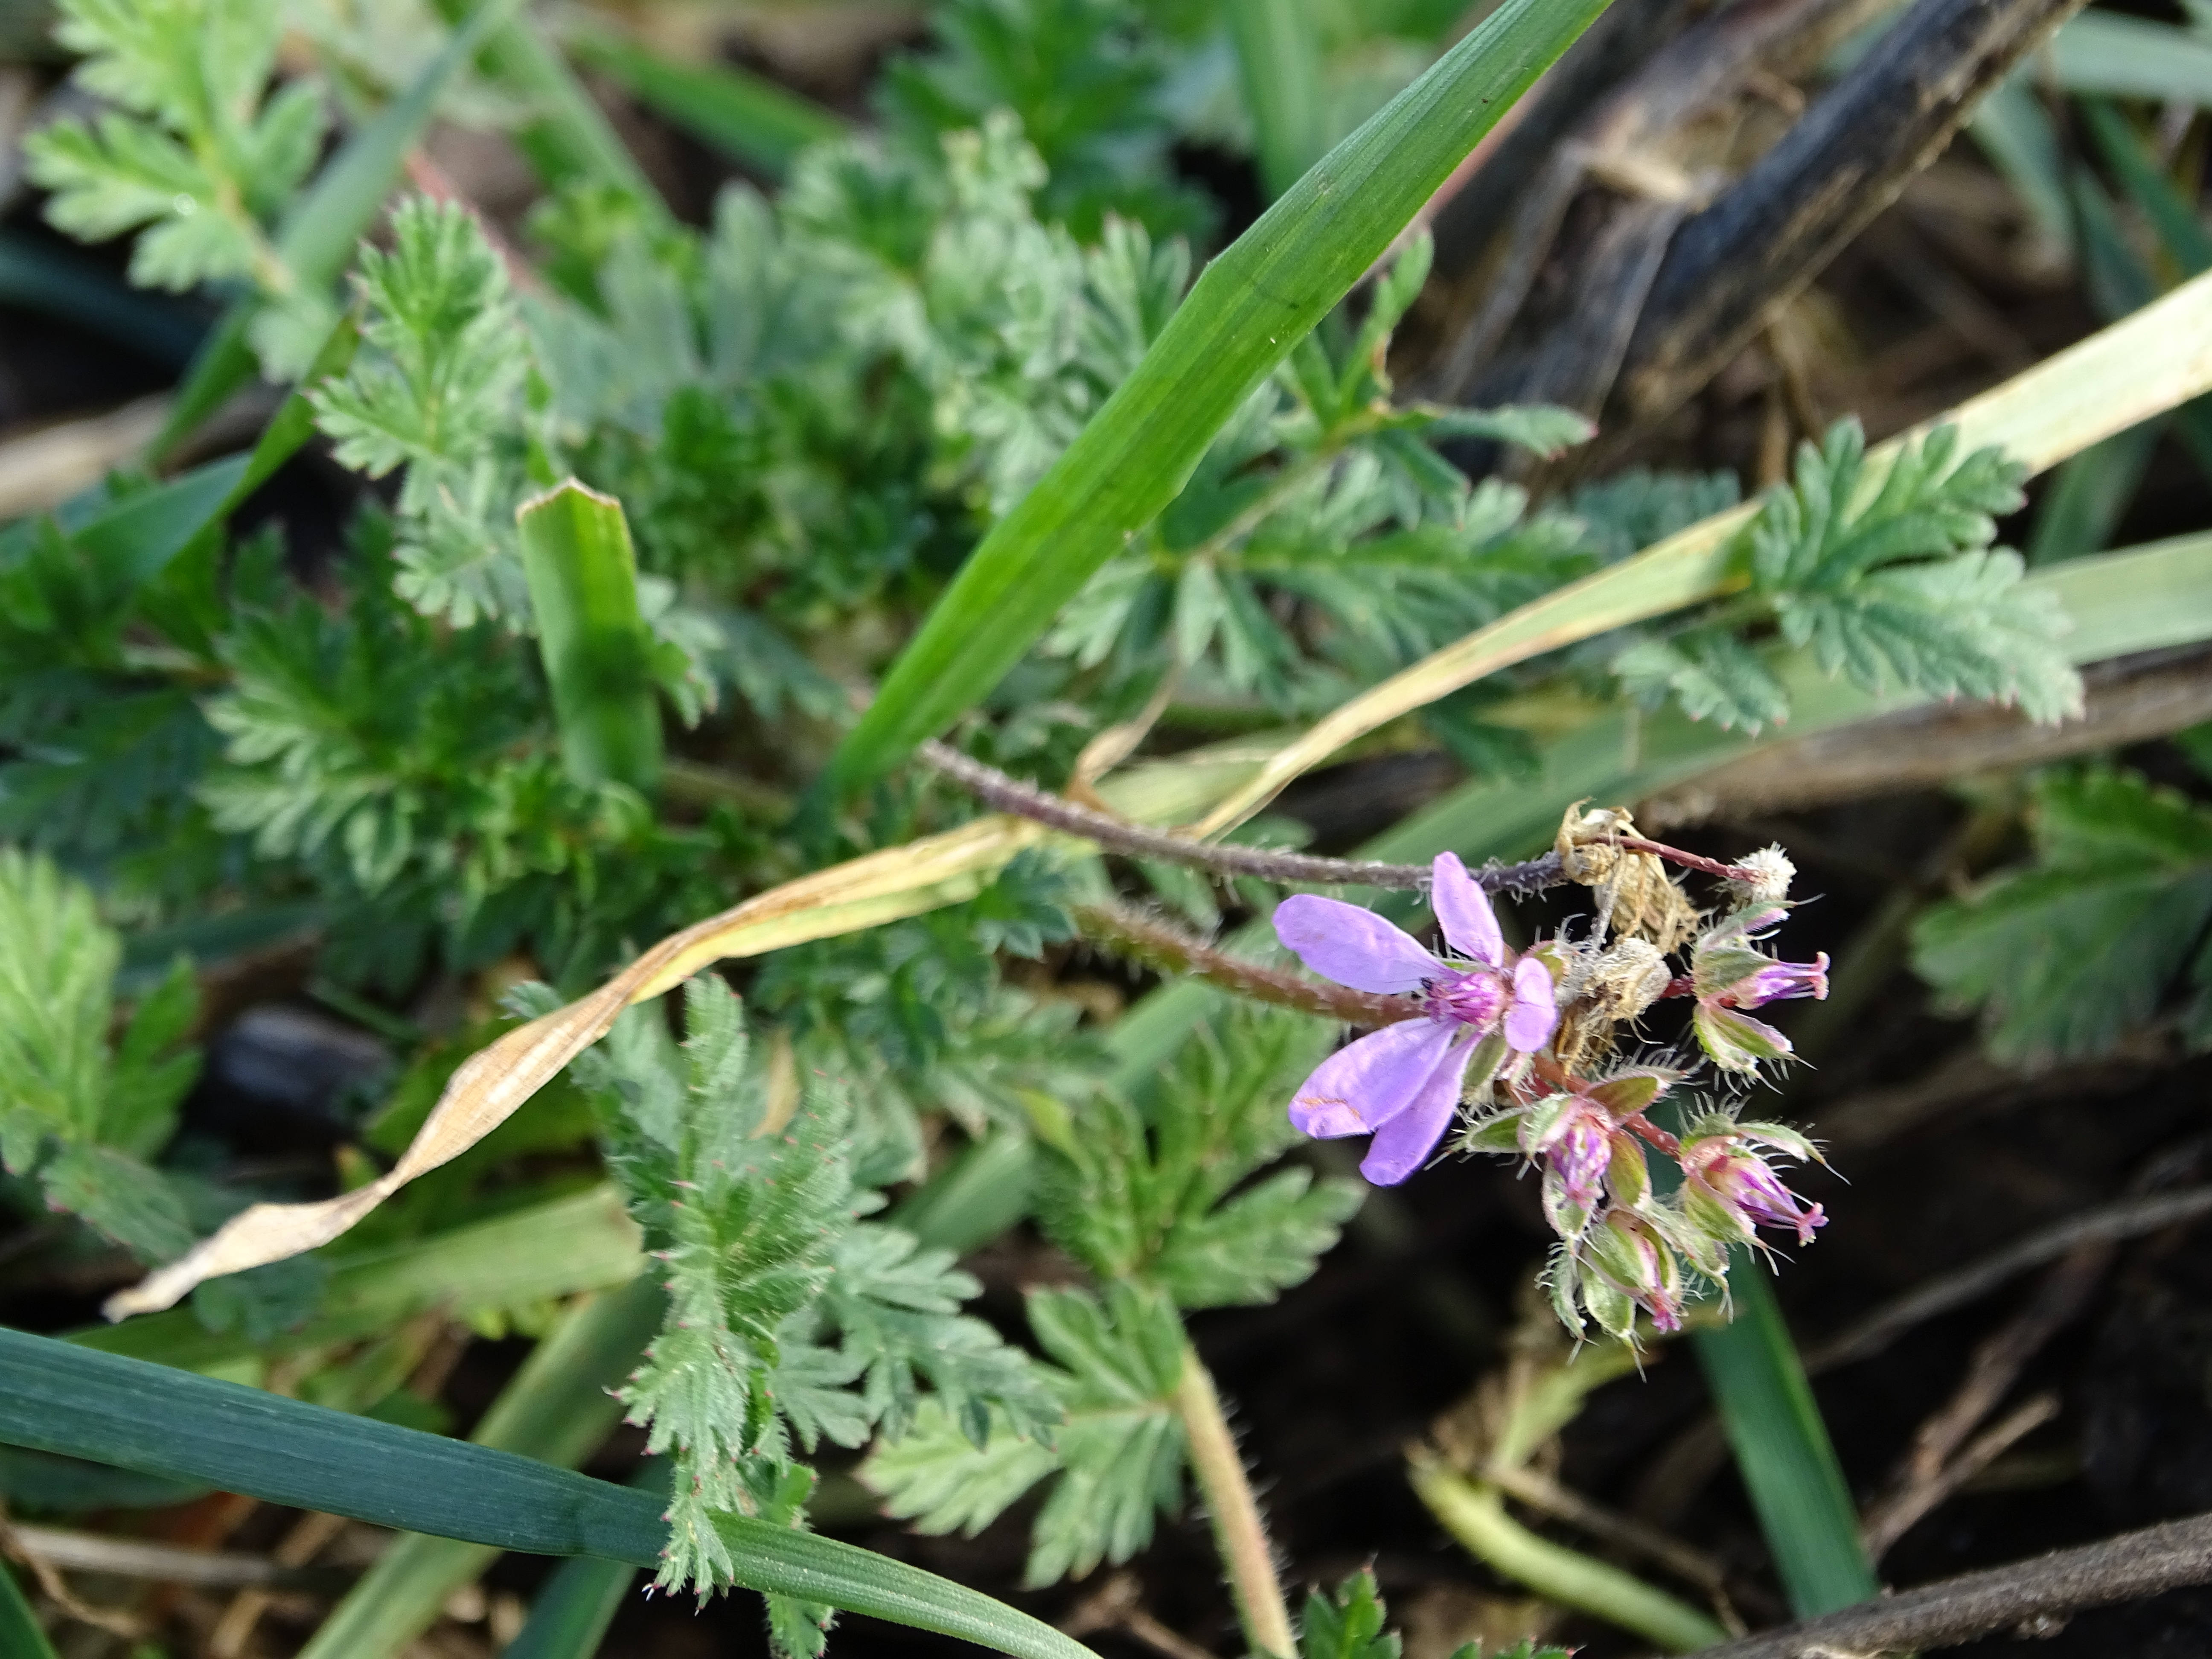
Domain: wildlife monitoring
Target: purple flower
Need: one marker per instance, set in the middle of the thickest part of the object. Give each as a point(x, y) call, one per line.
point(1402, 1083)
point(1731, 1189)
point(1729, 974)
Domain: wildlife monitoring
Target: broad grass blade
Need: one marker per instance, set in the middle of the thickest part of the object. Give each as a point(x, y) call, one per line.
point(1245, 313)
point(556, 1409)
point(1783, 1450)
point(1279, 52)
point(582, 572)
point(56, 1397)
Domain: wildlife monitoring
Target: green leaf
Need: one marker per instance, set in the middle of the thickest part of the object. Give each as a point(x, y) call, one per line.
point(765, 1262)
point(438, 383)
point(1118, 1456)
point(582, 573)
point(1783, 1450)
point(1346, 1624)
point(126, 1199)
point(2067, 954)
point(1713, 675)
point(322, 231)
point(21, 1634)
point(1153, 1195)
point(1255, 302)
point(747, 116)
point(1897, 586)
point(58, 1398)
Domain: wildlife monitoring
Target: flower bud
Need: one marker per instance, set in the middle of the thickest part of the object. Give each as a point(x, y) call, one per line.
point(1736, 1042)
point(1626, 1251)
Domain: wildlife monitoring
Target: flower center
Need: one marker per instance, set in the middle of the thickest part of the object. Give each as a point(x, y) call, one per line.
point(1475, 998)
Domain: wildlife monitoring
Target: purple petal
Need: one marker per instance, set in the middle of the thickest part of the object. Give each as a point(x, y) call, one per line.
point(1535, 1008)
point(1365, 1084)
point(1470, 926)
point(1353, 946)
point(1403, 1144)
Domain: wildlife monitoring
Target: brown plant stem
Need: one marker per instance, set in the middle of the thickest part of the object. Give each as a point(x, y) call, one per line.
point(1239, 1533)
point(1010, 794)
point(1956, 1610)
point(1158, 945)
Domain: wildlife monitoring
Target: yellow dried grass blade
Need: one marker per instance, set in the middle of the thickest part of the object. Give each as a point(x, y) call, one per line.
point(487, 1087)
point(2154, 361)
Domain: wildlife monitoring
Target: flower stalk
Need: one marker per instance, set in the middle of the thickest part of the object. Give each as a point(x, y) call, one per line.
point(1473, 1512)
point(1239, 1535)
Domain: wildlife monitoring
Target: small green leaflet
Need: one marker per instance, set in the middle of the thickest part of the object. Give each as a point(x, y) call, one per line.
point(1118, 1456)
point(2066, 954)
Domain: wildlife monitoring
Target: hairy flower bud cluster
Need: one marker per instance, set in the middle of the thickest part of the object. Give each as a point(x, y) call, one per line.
point(1507, 1040)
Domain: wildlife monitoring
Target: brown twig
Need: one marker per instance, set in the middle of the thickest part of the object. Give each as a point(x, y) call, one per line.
point(2129, 1218)
point(1904, 1508)
point(1760, 244)
point(55, 1589)
point(1158, 945)
point(1956, 1610)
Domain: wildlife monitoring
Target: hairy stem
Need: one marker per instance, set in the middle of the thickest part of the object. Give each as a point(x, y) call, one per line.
point(1474, 1513)
point(995, 788)
point(1238, 1533)
point(1158, 945)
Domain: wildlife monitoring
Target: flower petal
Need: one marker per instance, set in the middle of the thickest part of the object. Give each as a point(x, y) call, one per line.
point(1353, 946)
point(1403, 1144)
point(1535, 1008)
point(1470, 926)
point(1365, 1084)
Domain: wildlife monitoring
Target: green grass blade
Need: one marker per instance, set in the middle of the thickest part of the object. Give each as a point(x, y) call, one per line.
point(557, 1409)
point(569, 1617)
point(582, 572)
point(1251, 306)
point(2118, 56)
point(138, 536)
point(973, 1198)
point(2089, 495)
point(1783, 1450)
point(580, 1242)
point(2015, 132)
point(58, 1397)
point(1279, 52)
point(574, 1611)
point(2170, 214)
point(568, 138)
point(321, 232)
point(749, 118)
point(294, 423)
point(19, 1635)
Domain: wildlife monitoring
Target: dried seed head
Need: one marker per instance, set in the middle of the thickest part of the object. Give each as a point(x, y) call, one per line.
point(1605, 989)
point(1764, 878)
point(1636, 896)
